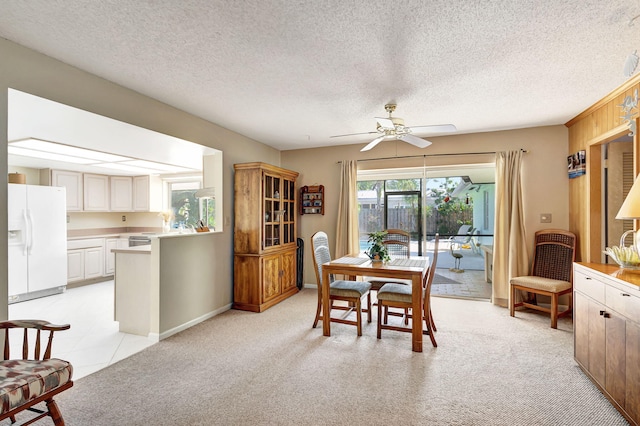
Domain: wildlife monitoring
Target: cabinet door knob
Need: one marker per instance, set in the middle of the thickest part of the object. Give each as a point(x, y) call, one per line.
point(601, 313)
point(607, 315)
point(588, 278)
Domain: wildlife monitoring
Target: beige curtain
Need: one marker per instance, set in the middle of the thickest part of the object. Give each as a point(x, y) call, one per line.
point(347, 227)
point(510, 257)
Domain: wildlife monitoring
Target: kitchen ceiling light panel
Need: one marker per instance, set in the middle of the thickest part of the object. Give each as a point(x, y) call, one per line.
point(56, 148)
point(127, 168)
point(167, 168)
point(14, 150)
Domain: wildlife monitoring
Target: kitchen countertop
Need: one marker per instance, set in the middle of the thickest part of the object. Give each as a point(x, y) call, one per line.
point(135, 249)
point(127, 234)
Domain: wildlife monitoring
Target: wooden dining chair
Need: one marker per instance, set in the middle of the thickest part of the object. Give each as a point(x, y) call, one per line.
point(400, 296)
point(398, 243)
point(551, 273)
point(344, 290)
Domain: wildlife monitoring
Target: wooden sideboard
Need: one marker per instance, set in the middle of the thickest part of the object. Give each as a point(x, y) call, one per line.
point(607, 332)
point(264, 261)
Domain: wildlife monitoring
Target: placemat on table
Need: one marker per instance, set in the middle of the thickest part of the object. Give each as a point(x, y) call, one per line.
point(351, 260)
point(417, 263)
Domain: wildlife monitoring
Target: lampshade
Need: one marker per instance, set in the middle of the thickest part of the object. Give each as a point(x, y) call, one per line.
point(631, 207)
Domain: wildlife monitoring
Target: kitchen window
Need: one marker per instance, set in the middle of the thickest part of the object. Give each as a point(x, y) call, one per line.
point(189, 210)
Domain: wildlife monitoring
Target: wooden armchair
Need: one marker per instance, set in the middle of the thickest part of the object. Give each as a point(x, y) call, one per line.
point(27, 381)
point(551, 273)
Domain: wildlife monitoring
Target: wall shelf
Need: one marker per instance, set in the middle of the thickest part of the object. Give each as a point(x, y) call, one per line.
point(312, 200)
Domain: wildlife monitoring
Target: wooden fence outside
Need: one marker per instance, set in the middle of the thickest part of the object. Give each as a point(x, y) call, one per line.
point(371, 220)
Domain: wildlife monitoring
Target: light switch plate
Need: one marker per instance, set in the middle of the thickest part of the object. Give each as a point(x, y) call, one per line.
point(545, 218)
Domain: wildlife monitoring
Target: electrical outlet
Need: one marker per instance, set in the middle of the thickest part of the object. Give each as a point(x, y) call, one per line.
point(545, 218)
point(68, 218)
point(124, 218)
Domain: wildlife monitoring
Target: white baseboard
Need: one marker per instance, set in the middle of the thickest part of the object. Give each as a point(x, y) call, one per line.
point(188, 324)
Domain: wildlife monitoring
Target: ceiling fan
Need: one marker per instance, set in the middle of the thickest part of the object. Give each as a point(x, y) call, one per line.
point(393, 128)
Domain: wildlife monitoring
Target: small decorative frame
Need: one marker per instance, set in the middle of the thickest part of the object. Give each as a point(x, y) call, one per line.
point(312, 200)
point(577, 164)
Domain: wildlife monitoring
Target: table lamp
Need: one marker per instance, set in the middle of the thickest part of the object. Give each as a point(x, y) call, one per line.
point(630, 209)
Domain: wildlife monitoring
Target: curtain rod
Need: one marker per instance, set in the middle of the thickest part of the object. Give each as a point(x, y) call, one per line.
point(430, 155)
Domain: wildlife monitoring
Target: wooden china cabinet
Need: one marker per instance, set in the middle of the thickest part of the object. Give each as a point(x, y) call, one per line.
point(264, 261)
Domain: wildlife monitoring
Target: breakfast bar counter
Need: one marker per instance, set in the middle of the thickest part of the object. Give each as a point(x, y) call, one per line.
point(167, 286)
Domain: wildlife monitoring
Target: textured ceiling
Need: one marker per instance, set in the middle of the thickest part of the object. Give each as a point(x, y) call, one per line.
point(292, 73)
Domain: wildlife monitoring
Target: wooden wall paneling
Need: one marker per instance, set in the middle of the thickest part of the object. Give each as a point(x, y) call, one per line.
point(596, 125)
point(594, 203)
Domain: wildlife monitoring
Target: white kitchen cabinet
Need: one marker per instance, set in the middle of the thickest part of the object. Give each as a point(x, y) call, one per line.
point(75, 265)
point(121, 195)
point(73, 183)
point(93, 262)
point(85, 259)
point(147, 194)
point(96, 192)
point(109, 256)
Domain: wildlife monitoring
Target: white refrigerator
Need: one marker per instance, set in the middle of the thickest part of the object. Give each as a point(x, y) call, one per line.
point(37, 250)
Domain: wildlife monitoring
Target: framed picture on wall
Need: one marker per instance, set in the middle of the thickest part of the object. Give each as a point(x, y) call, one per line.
point(577, 164)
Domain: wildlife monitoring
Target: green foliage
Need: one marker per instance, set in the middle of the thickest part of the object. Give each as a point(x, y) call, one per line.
point(377, 249)
point(447, 206)
point(185, 206)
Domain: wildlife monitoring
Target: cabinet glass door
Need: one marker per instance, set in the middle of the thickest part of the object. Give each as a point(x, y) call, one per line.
point(271, 218)
point(279, 211)
point(288, 211)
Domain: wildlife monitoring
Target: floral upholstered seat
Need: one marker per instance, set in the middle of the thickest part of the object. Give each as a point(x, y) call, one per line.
point(24, 380)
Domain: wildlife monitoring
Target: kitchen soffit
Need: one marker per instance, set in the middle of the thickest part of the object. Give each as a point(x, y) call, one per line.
point(34, 122)
point(58, 152)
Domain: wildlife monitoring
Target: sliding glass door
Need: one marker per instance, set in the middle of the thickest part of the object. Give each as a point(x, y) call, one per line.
point(403, 210)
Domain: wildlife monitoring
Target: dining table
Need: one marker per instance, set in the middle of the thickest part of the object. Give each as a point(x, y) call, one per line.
point(352, 266)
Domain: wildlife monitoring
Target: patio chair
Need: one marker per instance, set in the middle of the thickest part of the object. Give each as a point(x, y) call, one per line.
point(463, 236)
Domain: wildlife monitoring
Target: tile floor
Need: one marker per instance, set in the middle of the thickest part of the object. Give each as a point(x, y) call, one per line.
point(93, 342)
point(472, 285)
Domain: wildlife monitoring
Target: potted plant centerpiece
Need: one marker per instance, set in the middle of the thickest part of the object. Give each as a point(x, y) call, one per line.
point(377, 251)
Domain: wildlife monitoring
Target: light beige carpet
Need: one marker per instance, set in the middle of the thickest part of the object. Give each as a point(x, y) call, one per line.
point(242, 368)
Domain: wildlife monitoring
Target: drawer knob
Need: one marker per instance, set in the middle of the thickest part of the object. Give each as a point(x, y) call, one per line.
point(625, 294)
point(588, 278)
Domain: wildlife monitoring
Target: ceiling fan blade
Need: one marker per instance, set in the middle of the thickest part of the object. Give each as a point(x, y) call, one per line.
point(435, 128)
point(353, 134)
point(414, 140)
point(373, 143)
point(385, 123)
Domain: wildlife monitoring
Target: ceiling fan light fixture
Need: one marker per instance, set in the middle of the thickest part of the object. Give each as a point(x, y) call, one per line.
point(394, 128)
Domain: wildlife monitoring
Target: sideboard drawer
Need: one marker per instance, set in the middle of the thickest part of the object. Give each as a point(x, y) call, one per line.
point(589, 286)
point(625, 302)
